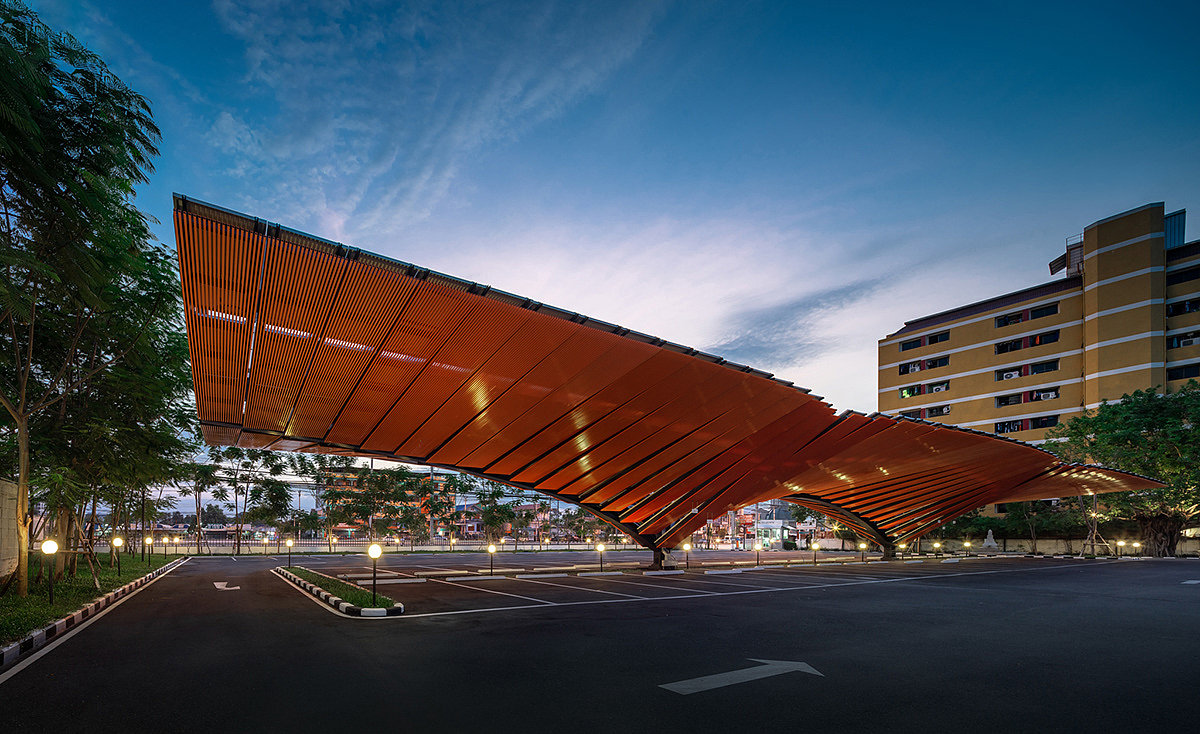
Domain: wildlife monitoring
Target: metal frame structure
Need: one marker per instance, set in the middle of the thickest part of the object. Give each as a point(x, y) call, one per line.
point(301, 344)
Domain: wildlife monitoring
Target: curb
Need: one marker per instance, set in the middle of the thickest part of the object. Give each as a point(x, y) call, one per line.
point(15, 652)
point(338, 603)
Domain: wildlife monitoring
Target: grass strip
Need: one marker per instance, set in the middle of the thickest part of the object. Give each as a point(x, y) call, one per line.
point(20, 616)
point(356, 595)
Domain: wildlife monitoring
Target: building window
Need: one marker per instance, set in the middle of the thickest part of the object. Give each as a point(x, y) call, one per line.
point(938, 338)
point(1009, 319)
point(1038, 368)
point(1189, 339)
point(1008, 373)
point(1043, 421)
point(938, 411)
point(910, 367)
point(910, 392)
point(1185, 372)
point(1050, 393)
point(1038, 313)
point(1010, 426)
point(911, 414)
point(1179, 308)
point(937, 362)
point(1006, 400)
point(1011, 345)
point(942, 386)
point(1183, 276)
point(911, 344)
point(1048, 338)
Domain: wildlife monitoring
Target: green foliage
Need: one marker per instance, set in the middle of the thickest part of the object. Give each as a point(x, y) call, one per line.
point(1151, 434)
point(378, 499)
point(492, 511)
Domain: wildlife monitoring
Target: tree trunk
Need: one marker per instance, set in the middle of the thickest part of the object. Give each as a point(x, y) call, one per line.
point(23, 517)
point(889, 551)
point(1160, 534)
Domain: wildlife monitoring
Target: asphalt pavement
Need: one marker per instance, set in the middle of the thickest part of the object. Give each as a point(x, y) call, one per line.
point(980, 645)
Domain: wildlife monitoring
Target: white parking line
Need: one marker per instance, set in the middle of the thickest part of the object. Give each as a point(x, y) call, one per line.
point(564, 585)
point(493, 591)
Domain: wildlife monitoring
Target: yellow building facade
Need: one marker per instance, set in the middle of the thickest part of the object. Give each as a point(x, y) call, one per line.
point(1123, 315)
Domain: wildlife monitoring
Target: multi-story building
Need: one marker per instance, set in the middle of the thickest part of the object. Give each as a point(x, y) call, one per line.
point(1124, 315)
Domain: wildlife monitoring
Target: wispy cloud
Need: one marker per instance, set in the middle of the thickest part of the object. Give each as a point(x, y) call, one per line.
point(366, 112)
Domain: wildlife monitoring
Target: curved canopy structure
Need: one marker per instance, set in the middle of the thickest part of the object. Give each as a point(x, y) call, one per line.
point(300, 344)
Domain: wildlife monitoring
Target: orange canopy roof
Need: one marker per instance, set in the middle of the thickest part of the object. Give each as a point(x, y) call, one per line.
point(300, 344)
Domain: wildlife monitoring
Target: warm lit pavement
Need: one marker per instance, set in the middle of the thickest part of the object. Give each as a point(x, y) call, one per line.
point(981, 645)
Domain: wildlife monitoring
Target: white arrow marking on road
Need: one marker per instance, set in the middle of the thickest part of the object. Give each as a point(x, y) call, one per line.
point(720, 680)
point(224, 586)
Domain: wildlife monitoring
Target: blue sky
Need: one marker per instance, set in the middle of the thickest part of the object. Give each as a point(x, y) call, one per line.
point(780, 183)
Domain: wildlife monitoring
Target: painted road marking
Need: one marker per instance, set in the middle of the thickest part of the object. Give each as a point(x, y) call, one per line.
point(720, 680)
point(224, 586)
point(1195, 581)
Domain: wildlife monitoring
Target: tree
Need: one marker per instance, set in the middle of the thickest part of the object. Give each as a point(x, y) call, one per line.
point(82, 283)
point(213, 515)
point(246, 478)
point(377, 496)
point(492, 511)
point(1151, 434)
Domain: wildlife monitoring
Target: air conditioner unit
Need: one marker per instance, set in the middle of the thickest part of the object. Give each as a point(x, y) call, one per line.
point(939, 388)
point(1012, 375)
point(1186, 342)
point(1046, 396)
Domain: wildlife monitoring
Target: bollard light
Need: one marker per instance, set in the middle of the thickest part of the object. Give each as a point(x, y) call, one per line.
point(289, 546)
point(49, 548)
point(862, 552)
point(265, 541)
point(937, 549)
point(815, 547)
point(491, 549)
point(967, 545)
point(600, 550)
point(117, 543)
point(452, 542)
point(1136, 548)
point(757, 553)
point(902, 546)
point(374, 551)
point(1120, 545)
point(687, 554)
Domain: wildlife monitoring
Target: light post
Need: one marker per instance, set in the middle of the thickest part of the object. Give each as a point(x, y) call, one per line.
point(687, 555)
point(1137, 548)
point(117, 543)
point(491, 559)
point(289, 545)
point(862, 552)
point(600, 550)
point(937, 549)
point(175, 540)
point(374, 552)
point(967, 546)
point(815, 547)
point(333, 541)
point(757, 552)
point(1120, 545)
point(902, 546)
point(149, 544)
point(49, 548)
point(265, 541)
point(453, 540)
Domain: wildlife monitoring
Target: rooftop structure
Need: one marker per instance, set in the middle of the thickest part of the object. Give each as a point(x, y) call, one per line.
point(300, 344)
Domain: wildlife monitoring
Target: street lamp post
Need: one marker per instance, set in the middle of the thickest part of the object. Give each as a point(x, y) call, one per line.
point(757, 553)
point(333, 541)
point(453, 540)
point(902, 546)
point(49, 548)
point(1137, 548)
point(1120, 545)
point(967, 546)
point(815, 547)
point(374, 552)
point(289, 545)
point(176, 541)
point(937, 549)
point(687, 555)
point(149, 545)
point(117, 543)
point(862, 552)
point(491, 549)
point(600, 550)
point(265, 541)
